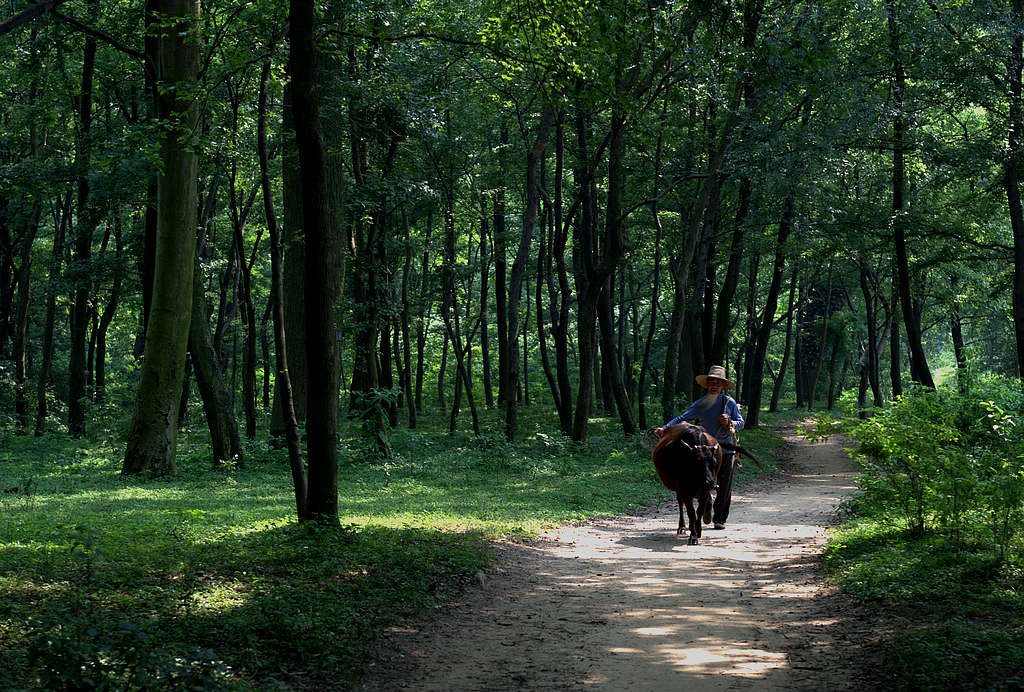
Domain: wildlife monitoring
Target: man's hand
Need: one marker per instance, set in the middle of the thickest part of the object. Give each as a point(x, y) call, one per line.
point(658, 432)
point(724, 420)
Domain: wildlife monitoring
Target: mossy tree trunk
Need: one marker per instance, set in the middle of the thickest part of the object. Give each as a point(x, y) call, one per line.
point(153, 433)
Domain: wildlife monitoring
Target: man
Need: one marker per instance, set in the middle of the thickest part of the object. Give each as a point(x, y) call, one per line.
point(719, 414)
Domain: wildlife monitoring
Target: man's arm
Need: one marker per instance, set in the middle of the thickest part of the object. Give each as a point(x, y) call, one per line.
point(734, 413)
point(678, 419)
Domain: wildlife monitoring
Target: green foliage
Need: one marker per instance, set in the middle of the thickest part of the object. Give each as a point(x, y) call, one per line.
point(935, 537)
point(937, 455)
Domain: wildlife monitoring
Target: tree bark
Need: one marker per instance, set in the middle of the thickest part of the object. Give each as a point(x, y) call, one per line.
point(764, 329)
point(100, 331)
point(823, 341)
point(83, 242)
point(61, 222)
point(485, 343)
point(501, 283)
point(321, 271)
point(283, 385)
point(1011, 176)
point(220, 417)
point(152, 436)
point(919, 370)
point(873, 341)
point(515, 279)
point(781, 377)
point(292, 268)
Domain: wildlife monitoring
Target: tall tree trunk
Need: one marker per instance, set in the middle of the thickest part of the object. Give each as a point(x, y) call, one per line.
point(152, 436)
point(823, 341)
point(83, 242)
point(560, 293)
point(919, 370)
point(21, 320)
point(485, 342)
point(321, 272)
point(100, 331)
point(61, 221)
point(597, 283)
point(293, 263)
point(682, 262)
point(781, 377)
point(422, 312)
point(957, 335)
point(748, 332)
point(764, 329)
point(501, 283)
point(283, 378)
point(895, 358)
point(220, 417)
point(873, 341)
point(1011, 175)
point(410, 399)
point(534, 153)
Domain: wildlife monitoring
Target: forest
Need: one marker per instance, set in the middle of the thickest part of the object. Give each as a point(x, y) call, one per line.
point(297, 240)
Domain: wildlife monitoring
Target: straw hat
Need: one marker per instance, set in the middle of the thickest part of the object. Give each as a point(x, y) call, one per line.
point(717, 372)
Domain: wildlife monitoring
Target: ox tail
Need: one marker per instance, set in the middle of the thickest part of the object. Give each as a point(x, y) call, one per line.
point(736, 448)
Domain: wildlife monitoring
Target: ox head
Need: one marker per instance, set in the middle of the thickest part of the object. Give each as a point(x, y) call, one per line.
point(679, 455)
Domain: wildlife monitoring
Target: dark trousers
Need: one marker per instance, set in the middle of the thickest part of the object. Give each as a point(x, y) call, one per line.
point(723, 498)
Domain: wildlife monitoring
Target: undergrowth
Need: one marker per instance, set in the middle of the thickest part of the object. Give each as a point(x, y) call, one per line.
point(205, 581)
point(934, 539)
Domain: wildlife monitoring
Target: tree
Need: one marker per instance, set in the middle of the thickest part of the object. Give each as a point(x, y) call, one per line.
point(152, 436)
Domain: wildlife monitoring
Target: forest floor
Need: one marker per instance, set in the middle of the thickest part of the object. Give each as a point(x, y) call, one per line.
point(624, 603)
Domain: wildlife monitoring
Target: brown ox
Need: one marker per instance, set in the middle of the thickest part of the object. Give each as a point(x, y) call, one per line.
point(687, 460)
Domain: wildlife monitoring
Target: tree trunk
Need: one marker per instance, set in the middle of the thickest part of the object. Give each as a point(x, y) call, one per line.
point(21, 320)
point(501, 283)
point(283, 378)
point(293, 263)
point(410, 399)
point(485, 343)
point(45, 368)
point(919, 370)
point(764, 329)
point(83, 242)
point(781, 377)
point(822, 342)
point(100, 332)
point(321, 274)
point(220, 417)
point(872, 365)
point(682, 262)
point(515, 278)
point(895, 358)
point(1011, 176)
point(152, 436)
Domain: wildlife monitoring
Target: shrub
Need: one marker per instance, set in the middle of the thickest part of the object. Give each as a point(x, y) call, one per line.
point(939, 456)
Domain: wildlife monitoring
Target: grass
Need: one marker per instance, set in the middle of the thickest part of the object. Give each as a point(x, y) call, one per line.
point(205, 581)
point(954, 611)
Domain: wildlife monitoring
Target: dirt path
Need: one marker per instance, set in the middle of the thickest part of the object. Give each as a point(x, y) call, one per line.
point(624, 603)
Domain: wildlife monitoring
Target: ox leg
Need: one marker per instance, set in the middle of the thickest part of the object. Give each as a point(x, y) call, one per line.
point(703, 508)
point(691, 515)
point(682, 513)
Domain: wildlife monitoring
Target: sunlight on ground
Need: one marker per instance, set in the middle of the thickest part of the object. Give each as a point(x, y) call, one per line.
point(746, 662)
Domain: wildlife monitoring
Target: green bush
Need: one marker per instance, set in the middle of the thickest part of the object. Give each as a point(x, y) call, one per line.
point(943, 458)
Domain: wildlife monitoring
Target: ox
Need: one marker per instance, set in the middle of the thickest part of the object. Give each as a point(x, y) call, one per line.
point(687, 459)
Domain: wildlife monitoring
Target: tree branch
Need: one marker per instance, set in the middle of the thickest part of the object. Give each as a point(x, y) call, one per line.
point(96, 33)
point(40, 8)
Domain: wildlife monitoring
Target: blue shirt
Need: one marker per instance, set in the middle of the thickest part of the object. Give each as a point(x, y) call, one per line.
point(708, 416)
